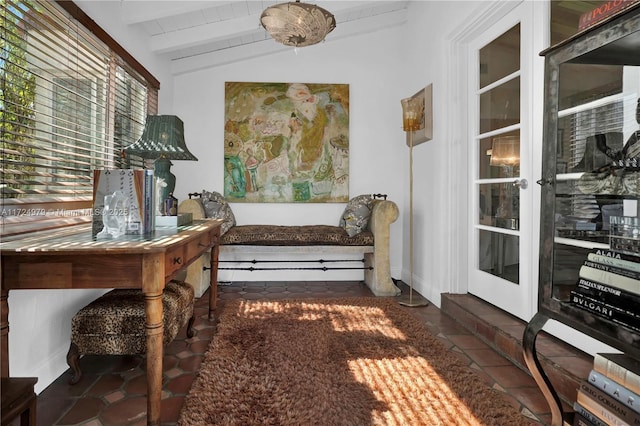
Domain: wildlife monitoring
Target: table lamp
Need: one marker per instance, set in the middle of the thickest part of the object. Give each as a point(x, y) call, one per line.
point(162, 140)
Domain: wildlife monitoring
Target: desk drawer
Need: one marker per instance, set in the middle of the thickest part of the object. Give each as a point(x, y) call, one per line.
point(174, 259)
point(198, 246)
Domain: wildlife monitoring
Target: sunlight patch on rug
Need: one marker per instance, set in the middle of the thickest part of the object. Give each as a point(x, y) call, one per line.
point(412, 390)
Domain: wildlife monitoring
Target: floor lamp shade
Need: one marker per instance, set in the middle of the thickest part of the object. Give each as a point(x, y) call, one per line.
point(505, 151)
point(162, 140)
point(411, 111)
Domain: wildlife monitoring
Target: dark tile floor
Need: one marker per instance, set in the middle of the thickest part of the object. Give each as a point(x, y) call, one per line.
point(112, 391)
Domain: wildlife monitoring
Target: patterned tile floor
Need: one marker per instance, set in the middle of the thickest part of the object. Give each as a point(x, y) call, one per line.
point(112, 391)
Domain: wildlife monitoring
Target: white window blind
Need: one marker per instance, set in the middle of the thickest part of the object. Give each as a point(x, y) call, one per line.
point(70, 102)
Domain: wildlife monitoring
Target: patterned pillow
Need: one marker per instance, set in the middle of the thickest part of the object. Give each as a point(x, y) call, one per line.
point(355, 217)
point(217, 207)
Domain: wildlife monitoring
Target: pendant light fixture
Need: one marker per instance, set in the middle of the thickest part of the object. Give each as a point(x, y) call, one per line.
point(297, 24)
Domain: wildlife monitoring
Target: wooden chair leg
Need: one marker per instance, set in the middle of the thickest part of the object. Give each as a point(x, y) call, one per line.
point(190, 330)
point(73, 359)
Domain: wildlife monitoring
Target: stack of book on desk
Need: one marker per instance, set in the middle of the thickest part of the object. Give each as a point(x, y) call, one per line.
point(609, 286)
point(611, 393)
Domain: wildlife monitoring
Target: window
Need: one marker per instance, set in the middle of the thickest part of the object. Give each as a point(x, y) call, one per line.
point(69, 103)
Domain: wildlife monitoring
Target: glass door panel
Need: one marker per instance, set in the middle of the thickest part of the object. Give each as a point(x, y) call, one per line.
point(499, 246)
point(499, 255)
point(500, 106)
point(501, 57)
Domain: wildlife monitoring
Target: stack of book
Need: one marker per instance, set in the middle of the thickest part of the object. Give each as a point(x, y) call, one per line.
point(609, 286)
point(610, 395)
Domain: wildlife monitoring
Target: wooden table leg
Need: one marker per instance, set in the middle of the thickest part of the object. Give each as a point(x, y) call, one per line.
point(155, 328)
point(153, 282)
point(213, 283)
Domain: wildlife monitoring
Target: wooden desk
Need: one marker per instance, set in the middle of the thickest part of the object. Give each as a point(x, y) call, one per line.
point(70, 257)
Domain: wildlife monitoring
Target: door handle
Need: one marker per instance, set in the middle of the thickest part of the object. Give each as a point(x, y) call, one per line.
point(520, 183)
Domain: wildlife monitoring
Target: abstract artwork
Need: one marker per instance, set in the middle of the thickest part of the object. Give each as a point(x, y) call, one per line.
point(286, 143)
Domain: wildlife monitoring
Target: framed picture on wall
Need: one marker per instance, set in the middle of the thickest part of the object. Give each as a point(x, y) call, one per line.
point(286, 142)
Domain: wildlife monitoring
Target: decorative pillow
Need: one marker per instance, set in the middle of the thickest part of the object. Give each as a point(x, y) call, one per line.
point(355, 217)
point(217, 207)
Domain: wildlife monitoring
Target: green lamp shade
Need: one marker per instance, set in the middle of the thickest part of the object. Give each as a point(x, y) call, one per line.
point(163, 136)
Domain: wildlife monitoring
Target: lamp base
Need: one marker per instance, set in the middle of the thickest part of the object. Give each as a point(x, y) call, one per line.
point(414, 302)
point(412, 299)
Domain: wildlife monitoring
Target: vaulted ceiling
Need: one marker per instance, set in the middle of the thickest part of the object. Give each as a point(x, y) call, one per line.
point(190, 32)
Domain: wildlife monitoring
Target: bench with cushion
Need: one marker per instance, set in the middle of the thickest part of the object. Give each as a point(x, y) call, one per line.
point(363, 228)
point(114, 323)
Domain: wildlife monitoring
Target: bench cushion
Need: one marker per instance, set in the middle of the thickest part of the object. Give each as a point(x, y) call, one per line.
point(305, 235)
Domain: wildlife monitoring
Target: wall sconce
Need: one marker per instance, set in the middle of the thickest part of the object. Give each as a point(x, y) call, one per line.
point(162, 140)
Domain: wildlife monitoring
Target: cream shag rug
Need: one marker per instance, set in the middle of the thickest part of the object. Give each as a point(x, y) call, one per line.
point(349, 361)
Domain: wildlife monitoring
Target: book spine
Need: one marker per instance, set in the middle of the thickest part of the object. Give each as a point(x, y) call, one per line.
point(608, 278)
point(627, 378)
point(97, 206)
point(149, 213)
point(623, 412)
point(613, 261)
point(615, 390)
point(608, 294)
point(617, 255)
point(599, 410)
point(616, 310)
point(580, 420)
point(605, 311)
point(612, 269)
point(132, 186)
point(579, 409)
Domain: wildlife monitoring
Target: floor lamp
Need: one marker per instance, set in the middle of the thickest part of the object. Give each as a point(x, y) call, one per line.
point(412, 112)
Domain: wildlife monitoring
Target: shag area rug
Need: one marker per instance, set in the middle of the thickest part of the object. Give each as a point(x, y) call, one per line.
point(348, 361)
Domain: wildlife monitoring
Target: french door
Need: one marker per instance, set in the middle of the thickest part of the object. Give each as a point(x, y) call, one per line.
point(500, 148)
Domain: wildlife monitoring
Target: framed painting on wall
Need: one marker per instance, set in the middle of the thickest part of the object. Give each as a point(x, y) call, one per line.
point(286, 142)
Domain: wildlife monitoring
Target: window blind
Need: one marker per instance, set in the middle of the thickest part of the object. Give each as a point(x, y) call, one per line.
point(69, 103)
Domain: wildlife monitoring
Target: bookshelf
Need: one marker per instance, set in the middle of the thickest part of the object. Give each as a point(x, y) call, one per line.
point(590, 192)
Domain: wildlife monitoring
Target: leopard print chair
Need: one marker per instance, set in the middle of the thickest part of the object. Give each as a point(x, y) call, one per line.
point(114, 323)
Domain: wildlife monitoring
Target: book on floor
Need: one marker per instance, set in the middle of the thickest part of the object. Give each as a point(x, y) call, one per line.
point(587, 415)
point(599, 409)
point(619, 367)
point(622, 411)
point(616, 390)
